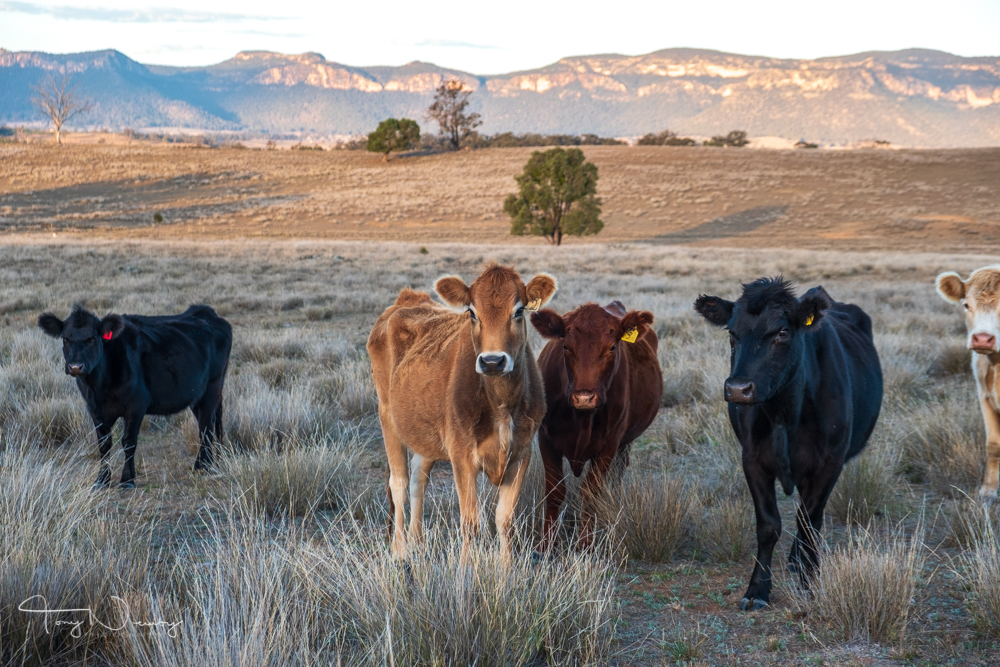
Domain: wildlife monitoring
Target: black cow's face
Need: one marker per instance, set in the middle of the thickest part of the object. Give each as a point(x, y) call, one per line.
point(84, 337)
point(767, 329)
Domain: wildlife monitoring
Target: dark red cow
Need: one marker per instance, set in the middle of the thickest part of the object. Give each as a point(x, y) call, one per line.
point(603, 386)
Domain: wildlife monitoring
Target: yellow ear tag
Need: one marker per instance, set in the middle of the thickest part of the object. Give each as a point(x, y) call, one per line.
point(534, 304)
point(809, 320)
point(630, 335)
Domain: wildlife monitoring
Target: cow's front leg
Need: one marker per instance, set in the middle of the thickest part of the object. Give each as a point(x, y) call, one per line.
point(465, 471)
point(104, 442)
point(130, 438)
point(991, 476)
point(510, 489)
point(761, 483)
point(555, 493)
point(590, 496)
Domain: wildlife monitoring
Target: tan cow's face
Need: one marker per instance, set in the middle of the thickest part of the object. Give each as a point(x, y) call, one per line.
point(497, 303)
point(980, 297)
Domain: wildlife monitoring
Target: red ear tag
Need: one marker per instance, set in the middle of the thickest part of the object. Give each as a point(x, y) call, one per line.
point(107, 335)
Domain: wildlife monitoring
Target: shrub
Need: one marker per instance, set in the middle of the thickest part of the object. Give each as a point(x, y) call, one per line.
point(735, 139)
point(665, 138)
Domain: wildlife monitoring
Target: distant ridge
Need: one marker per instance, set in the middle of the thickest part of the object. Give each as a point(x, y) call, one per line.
point(911, 97)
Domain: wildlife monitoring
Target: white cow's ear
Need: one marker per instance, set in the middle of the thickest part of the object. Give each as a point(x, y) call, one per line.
point(453, 291)
point(951, 287)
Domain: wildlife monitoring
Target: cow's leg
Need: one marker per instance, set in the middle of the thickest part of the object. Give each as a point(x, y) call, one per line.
point(205, 411)
point(466, 471)
point(420, 475)
point(555, 493)
point(510, 489)
point(395, 451)
point(765, 504)
point(814, 492)
point(590, 493)
point(130, 438)
point(104, 442)
point(991, 476)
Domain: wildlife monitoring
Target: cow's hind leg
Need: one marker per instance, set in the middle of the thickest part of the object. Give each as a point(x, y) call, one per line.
point(395, 452)
point(207, 411)
point(765, 504)
point(104, 443)
point(814, 492)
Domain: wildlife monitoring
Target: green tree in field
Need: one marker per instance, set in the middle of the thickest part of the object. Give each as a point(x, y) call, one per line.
point(450, 101)
point(735, 139)
point(394, 135)
point(557, 196)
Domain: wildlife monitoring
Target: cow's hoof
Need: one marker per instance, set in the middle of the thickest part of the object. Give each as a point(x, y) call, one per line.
point(793, 566)
point(124, 486)
point(987, 496)
point(100, 486)
point(746, 604)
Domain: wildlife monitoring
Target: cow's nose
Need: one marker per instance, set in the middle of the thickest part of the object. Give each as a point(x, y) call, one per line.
point(75, 369)
point(492, 364)
point(584, 400)
point(983, 342)
point(739, 390)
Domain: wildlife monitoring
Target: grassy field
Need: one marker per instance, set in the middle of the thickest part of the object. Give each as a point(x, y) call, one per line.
point(948, 200)
point(281, 557)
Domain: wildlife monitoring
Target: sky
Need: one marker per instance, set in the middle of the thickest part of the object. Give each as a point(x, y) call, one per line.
point(494, 37)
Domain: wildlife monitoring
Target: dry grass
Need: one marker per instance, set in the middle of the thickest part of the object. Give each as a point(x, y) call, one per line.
point(981, 571)
point(865, 588)
point(290, 534)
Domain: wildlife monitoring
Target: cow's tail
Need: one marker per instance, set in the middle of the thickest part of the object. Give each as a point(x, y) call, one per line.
point(410, 297)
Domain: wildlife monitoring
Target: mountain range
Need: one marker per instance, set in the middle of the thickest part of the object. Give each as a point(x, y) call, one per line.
point(915, 97)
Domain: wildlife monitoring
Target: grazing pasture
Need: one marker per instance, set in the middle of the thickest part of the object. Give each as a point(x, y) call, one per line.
point(282, 558)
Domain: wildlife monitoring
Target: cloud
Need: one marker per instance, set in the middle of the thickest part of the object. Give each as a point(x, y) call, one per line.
point(452, 43)
point(141, 15)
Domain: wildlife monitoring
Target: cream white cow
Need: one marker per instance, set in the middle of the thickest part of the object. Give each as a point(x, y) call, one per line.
point(980, 296)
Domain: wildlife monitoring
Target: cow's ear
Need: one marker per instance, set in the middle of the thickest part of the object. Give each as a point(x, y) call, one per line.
point(634, 325)
point(50, 324)
point(616, 308)
point(111, 326)
point(453, 291)
point(539, 290)
point(950, 286)
point(548, 323)
point(812, 305)
point(717, 311)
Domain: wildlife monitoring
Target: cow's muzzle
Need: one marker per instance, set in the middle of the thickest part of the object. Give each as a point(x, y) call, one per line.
point(76, 370)
point(984, 343)
point(494, 363)
point(584, 400)
point(741, 390)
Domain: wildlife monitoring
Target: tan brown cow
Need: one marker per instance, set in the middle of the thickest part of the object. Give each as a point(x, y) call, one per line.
point(459, 386)
point(980, 296)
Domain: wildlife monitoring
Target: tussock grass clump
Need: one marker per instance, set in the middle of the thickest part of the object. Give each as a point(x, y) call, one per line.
point(866, 488)
point(299, 478)
point(944, 448)
point(446, 610)
point(258, 416)
point(864, 587)
point(647, 514)
point(350, 390)
point(727, 532)
point(981, 572)
point(58, 543)
point(56, 421)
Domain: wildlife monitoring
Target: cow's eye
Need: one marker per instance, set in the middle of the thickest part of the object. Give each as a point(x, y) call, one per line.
point(782, 335)
point(732, 341)
point(519, 312)
point(472, 315)
point(966, 306)
point(565, 348)
point(614, 347)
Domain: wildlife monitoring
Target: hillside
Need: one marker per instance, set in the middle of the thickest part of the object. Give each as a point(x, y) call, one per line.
point(912, 98)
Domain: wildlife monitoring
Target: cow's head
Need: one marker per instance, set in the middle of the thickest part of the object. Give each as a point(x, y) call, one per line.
point(592, 341)
point(496, 302)
point(980, 296)
point(767, 326)
point(84, 338)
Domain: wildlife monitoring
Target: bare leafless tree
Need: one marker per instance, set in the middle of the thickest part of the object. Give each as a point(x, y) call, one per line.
point(56, 97)
point(448, 110)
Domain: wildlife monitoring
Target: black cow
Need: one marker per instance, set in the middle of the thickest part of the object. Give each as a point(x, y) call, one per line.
point(804, 393)
point(128, 366)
